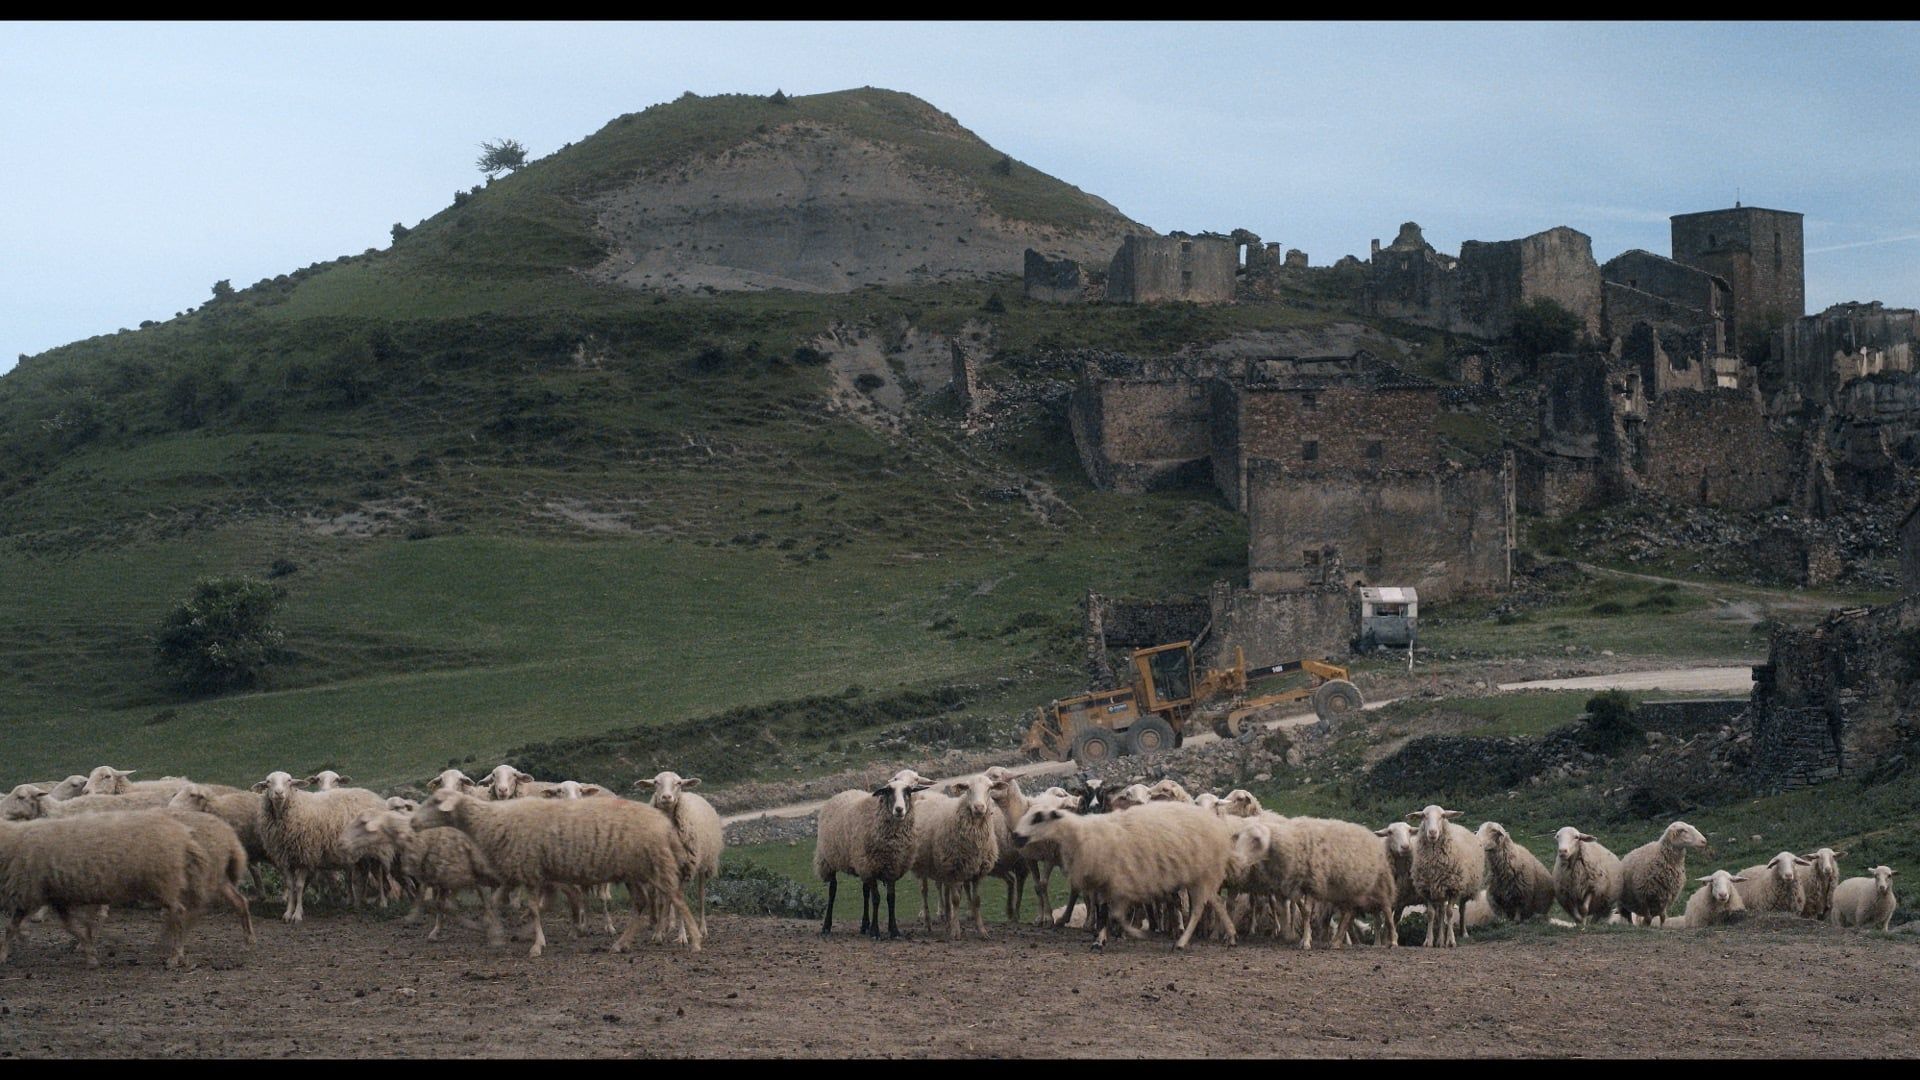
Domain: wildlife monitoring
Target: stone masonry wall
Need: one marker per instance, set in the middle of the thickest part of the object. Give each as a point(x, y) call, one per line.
point(1714, 447)
point(1332, 426)
point(1154, 269)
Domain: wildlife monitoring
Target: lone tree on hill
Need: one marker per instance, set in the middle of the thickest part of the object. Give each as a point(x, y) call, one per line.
point(220, 638)
point(505, 155)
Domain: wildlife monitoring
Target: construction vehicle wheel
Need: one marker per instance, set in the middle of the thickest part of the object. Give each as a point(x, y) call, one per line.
point(1149, 735)
point(1334, 699)
point(1095, 745)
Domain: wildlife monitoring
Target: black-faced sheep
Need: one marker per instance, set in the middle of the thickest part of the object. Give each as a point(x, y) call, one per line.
point(868, 835)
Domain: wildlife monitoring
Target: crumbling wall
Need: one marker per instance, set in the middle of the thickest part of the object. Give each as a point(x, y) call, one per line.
point(1796, 556)
point(1445, 531)
point(1666, 358)
point(1409, 280)
point(1552, 486)
point(1643, 287)
point(1714, 447)
point(1759, 254)
point(1155, 269)
point(1055, 281)
point(1819, 354)
point(1839, 697)
point(1497, 277)
point(1324, 425)
point(1314, 621)
point(1910, 551)
point(1138, 435)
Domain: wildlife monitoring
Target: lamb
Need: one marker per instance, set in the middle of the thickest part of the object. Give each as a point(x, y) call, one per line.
point(1168, 791)
point(1139, 857)
point(1775, 885)
point(506, 782)
point(1586, 876)
point(537, 842)
point(1865, 901)
point(873, 841)
point(1653, 874)
point(954, 846)
point(241, 812)
point(1822, 878)
point(1519, 885)
point(696, 823)
point(1341, 867)
point(1716, 901)
point(1449, 867)
point(301, 832)
point(97, 860)
point(440, 863)
point(1398, 839)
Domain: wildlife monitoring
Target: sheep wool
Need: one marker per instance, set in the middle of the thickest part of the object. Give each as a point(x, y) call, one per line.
point(302, 832)
point(1449, 867)
point(1822, 878)
point(1865, 901)
point(105, 859)
point(1519, 885)
point(1715, 902)
point(955, 846)
point(696, 824)
point(1139, 857)
point(1586, 876)
point(1653, 874)
point(1775, 885)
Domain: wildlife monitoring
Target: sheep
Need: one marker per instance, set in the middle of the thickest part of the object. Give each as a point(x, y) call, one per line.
point(241, 812)
point(1039, 860)
point(451, 780)
point(696, 823)
point(1586, 876)
point(1519, 885)
point(1139, 857)
point(1207, 801)
point(954, 846)
point(1653, 874)
point(1775, 885)
point(62, 790)
point(1168, 790)
point(1822, 878)
point(1239, 803)
point(506, 782)
point(97, 860)
point(328, 780)
point(401, 804)
point(301, 832)
point(226, 868)
point(574, 789)
point(1865, 901)
point(537, 842)
point(1327, 868)
point(1449, 867)
point(1716, 901)
point(149, 799)
point(873, 841)
point(107, 780)
point(24, 803)
point(1129, 797)
point(440, 863)
point(1398, 842)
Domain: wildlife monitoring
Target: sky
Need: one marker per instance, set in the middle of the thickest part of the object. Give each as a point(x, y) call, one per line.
point(139, 163)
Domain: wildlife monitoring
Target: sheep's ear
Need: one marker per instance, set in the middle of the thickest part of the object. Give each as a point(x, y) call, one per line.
point(1585, 838)
point(1451, 813)
point(523, 778)
point(467, 784)
point(552, 793)
point(1737, 877)
point(370, 824)
point(882, 791)
point(1383, 832)
point(1709, 877)
point(1055, 815)
point(260, 786)
point(1801, 861)
point(591, 789)
point(346, 779)
point(1415, 816)
point(1893, 873)
point(646, 785)
point(955, 788)
point(690, 782)
point(918, 788)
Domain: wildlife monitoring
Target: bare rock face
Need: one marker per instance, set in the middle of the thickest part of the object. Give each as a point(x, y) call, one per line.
point(813, 207)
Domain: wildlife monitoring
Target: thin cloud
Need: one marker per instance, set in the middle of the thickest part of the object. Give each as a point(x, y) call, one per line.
point(1863, 243)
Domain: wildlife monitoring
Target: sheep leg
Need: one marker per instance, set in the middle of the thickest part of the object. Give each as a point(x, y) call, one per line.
point(678, 899)
point(1042, 876)
point(606, 906)
point(1073, 898)
point(80, 930)
point(239, 905)
point(1219, 908)
point(701, 885)
point(14, 920)
point(439, 917)
point(833, 892)
point(893, 928)
point(537, 899)
point(635, 893)
point(973, 898)
point(1346, 924)
point(259, 882)
point(870, 900)
point(296, 896)
point(174, 929)
point(926, 909)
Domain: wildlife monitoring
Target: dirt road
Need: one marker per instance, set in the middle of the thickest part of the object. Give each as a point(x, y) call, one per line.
point(1735, 680)
point(343, 986)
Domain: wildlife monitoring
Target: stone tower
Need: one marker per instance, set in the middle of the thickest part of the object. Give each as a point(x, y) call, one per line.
point(1757, 252)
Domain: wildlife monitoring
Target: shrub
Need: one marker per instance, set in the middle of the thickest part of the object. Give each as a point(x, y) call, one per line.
point(808, 356)
point(220, 638)
point(1610, 725)
point(1003, 167)
point(868, 382)
point(400, 230)
point(994, 304)
point(1542, 326)
point(746, 888)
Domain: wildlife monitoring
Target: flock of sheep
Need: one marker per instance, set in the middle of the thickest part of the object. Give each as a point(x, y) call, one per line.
point(1160, 859)
point(81, 845)
point(1136, 861)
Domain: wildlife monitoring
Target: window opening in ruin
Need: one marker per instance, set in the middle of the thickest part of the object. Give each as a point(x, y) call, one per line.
point(1186, 246)
point(1310, 557)
point(1310, 450)
point(1375, 559)
point(1713, 241)
point(1186, 279)
point(1375, 449)
point(1776, 251)
point(1309, 402)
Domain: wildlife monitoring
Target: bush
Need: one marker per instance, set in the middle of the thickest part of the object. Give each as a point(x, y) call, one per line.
point(746, 888)
point(1541, 326)
point(399, 231)
point(220, 638)
point(1610, 725)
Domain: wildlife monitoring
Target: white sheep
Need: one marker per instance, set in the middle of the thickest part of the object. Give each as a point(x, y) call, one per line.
point(328, 780)
point(439, 863)
point(24, 803)
point(226, 868)
point(1168, 790)
point(92, 861)
point(1586, 876)
point(1653, 875)
point(1239, 803)
point(241, 812)
point(402, 804)
point(1716, 901)
point(452, 780)
point(1139, 857)
point(506, 782)
point(1865, 901)
point(697, 825)
point(1775, 885)
point(1337, 867)
point(576, 899)
point(868, 835)
point(1519, 885)
point(302, 833)
point(1822, 878)
point(61, 790)
point(1397, 839)
point(574, 789)
point(954, 846)
point(1207, 801)
point(1449, 867)
point(534, 843)
point(1039, 859)
point(148, 799)
point(107, 780)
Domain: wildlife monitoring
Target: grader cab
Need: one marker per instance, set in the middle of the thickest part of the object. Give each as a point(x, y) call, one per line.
point(1165, 694)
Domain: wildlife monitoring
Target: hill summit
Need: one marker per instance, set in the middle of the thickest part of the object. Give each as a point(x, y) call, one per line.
point(824, 193)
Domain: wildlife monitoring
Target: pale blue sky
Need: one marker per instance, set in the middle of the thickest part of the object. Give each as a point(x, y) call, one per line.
point(139, 163)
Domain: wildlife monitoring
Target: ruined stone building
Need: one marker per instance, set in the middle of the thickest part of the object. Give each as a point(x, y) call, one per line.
point(1641, 287)
point(1055, 281)
point(1410, 281)
point(1152, 269)
point(1838, 698)
point(1759, 254)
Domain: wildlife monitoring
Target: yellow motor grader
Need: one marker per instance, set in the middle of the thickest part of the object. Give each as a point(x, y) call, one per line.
point(1166, 694)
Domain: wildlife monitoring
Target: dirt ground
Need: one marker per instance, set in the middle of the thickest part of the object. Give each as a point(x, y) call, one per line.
point(339, 986)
